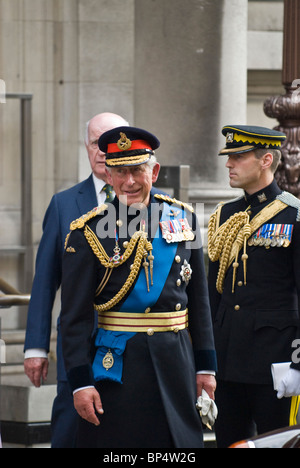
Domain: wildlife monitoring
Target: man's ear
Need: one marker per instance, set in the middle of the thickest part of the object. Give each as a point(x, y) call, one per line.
point(267, 161)
point(155, 172)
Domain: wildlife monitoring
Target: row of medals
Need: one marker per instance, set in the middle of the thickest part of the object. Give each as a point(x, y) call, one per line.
point(176, 230)
point(267, 242)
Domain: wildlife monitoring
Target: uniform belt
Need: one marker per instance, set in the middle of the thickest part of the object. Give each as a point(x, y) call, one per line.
point(149, 323)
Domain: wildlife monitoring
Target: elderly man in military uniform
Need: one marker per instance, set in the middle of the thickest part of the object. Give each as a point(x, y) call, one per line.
point(254, 283)
point(136, 378)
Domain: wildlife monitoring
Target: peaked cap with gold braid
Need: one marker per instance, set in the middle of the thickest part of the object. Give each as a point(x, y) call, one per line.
point(244, 138)
point(127, 146)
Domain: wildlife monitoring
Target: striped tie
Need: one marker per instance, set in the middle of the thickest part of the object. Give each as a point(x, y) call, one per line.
point(109, 193)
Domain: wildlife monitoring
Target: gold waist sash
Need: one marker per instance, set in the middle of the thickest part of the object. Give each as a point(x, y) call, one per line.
point(149, 323)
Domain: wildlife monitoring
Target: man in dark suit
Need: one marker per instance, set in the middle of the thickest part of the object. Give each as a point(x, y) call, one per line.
point(145, 277)
point(63, 209)
point(254, 283)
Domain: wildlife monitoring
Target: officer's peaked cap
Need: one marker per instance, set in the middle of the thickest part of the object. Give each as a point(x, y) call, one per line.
point(127, 146)
point(244, 138)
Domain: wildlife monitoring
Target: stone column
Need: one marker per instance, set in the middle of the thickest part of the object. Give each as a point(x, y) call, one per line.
point(191, 79)
point(286, 108)
point(105, 64)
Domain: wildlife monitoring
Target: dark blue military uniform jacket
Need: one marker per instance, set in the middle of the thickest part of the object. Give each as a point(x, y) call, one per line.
point(175, 357)
point(64, 208)
point(255, 325)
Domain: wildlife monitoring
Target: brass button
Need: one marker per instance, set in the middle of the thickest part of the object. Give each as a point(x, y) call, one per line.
point(147, 310)
point(177, 259)
point(150, 332)
point(240, 283)
point(178, 307)
point(237, 307)
point(178, 282)
point(176, 330)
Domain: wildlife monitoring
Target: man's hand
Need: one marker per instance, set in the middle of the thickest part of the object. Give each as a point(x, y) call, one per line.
point(36, 369)
point(208, 383)
point(87, 402)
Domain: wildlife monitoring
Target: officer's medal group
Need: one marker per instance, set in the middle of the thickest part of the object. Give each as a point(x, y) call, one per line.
point(272, 235)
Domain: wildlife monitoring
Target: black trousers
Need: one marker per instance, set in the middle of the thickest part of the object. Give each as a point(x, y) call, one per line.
point(246, 409)
point(64, 418)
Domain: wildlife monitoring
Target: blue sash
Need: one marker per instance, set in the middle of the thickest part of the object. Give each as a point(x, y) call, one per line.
point(138, 300)
point(164, 255)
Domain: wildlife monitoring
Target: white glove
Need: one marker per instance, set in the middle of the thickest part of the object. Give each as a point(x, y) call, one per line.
point(208, 409)
point(290, 384)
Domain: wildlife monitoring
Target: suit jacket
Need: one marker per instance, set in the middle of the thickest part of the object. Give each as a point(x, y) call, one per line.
point(174, 356)
point(64, 207)
point(256, 324)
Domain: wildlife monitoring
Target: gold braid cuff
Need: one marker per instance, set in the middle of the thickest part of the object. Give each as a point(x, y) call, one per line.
point(226, 241)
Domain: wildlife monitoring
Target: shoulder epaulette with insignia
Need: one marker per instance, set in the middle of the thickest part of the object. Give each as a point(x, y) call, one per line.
point(290, 200)
point(174, 201)
point(80, 222)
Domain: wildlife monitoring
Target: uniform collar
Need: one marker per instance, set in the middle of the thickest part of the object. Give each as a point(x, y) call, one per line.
point(267, 194)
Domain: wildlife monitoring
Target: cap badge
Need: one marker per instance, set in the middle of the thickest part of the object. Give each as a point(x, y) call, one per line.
point(229, 138)
point(124, 143)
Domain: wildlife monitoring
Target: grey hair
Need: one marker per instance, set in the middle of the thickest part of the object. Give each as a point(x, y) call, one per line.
point(151, 163)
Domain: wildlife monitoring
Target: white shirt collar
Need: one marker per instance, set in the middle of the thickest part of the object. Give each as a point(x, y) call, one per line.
point(99, 184)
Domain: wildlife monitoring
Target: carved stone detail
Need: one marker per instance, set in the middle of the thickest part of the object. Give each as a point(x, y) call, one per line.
point(286, 109)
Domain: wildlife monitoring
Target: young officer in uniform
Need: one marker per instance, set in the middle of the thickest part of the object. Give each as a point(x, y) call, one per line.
point(254, 283)
point(154, 349)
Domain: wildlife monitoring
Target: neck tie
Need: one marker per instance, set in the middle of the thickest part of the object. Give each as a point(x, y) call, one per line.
point(109, 193)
